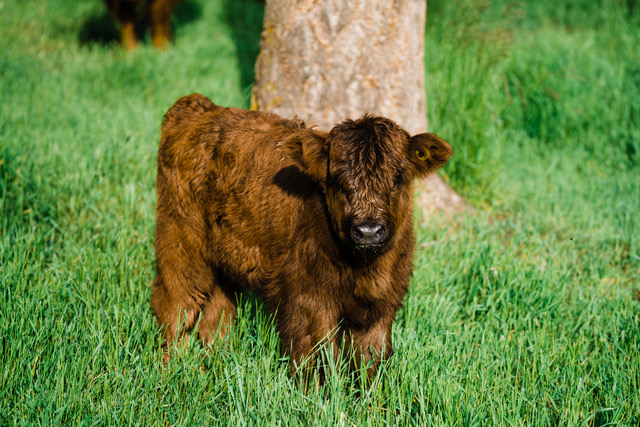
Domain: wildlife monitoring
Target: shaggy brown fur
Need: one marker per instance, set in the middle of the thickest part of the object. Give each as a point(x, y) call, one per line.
point(319, 224)
point(157, 12)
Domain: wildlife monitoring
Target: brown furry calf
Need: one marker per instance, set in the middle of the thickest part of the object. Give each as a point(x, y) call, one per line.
point(319, 224)
point(157, 12)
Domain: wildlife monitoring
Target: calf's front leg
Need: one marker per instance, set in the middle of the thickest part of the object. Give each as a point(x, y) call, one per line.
point(303, 326)
point(371, 345)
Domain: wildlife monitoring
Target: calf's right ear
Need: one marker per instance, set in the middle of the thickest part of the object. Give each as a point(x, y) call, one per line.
point(428, 153)
point(308, 151)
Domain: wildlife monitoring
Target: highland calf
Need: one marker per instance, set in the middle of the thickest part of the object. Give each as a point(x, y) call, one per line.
point(319, 224)
point(157, 12)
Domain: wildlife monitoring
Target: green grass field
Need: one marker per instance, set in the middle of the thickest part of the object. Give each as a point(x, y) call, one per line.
point(526, 313)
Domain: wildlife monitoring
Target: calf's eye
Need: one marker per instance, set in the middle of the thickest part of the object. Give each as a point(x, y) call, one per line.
point(398, 179)
point(337, 185)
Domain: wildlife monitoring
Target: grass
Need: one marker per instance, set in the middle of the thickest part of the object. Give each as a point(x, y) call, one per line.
point(527, 313)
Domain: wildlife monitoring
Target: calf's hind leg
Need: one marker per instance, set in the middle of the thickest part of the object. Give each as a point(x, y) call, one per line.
point(218, 314)
point(184, 283)
point(186, 294)
point(175, 314)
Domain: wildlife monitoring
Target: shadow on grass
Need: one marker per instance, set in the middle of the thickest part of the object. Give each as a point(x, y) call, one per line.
point(244, 18)
point(101, 29)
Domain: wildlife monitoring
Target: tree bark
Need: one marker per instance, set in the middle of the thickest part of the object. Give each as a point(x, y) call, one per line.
point(328, 60)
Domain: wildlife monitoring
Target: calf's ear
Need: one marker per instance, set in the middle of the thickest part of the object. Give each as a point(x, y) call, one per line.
point(427, 153)
point(308, 150)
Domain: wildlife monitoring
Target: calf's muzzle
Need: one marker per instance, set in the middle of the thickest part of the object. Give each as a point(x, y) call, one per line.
point(369, 233)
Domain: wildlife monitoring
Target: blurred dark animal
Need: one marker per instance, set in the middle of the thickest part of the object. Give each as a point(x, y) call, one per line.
point(156, 12)
point(319, 224)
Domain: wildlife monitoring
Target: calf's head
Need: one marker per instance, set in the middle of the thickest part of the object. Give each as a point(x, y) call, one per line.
point(365, 168)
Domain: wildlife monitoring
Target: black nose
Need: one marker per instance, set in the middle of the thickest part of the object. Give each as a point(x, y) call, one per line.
point(369, 233)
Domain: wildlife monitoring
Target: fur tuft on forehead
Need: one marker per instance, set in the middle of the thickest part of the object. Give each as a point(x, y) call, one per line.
point(368, 144)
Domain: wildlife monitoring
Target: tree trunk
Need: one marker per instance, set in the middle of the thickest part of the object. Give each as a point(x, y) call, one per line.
point(328, 60)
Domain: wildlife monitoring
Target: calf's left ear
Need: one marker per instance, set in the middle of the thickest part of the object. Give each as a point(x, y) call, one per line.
point(428, 153)
point(308, 150)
